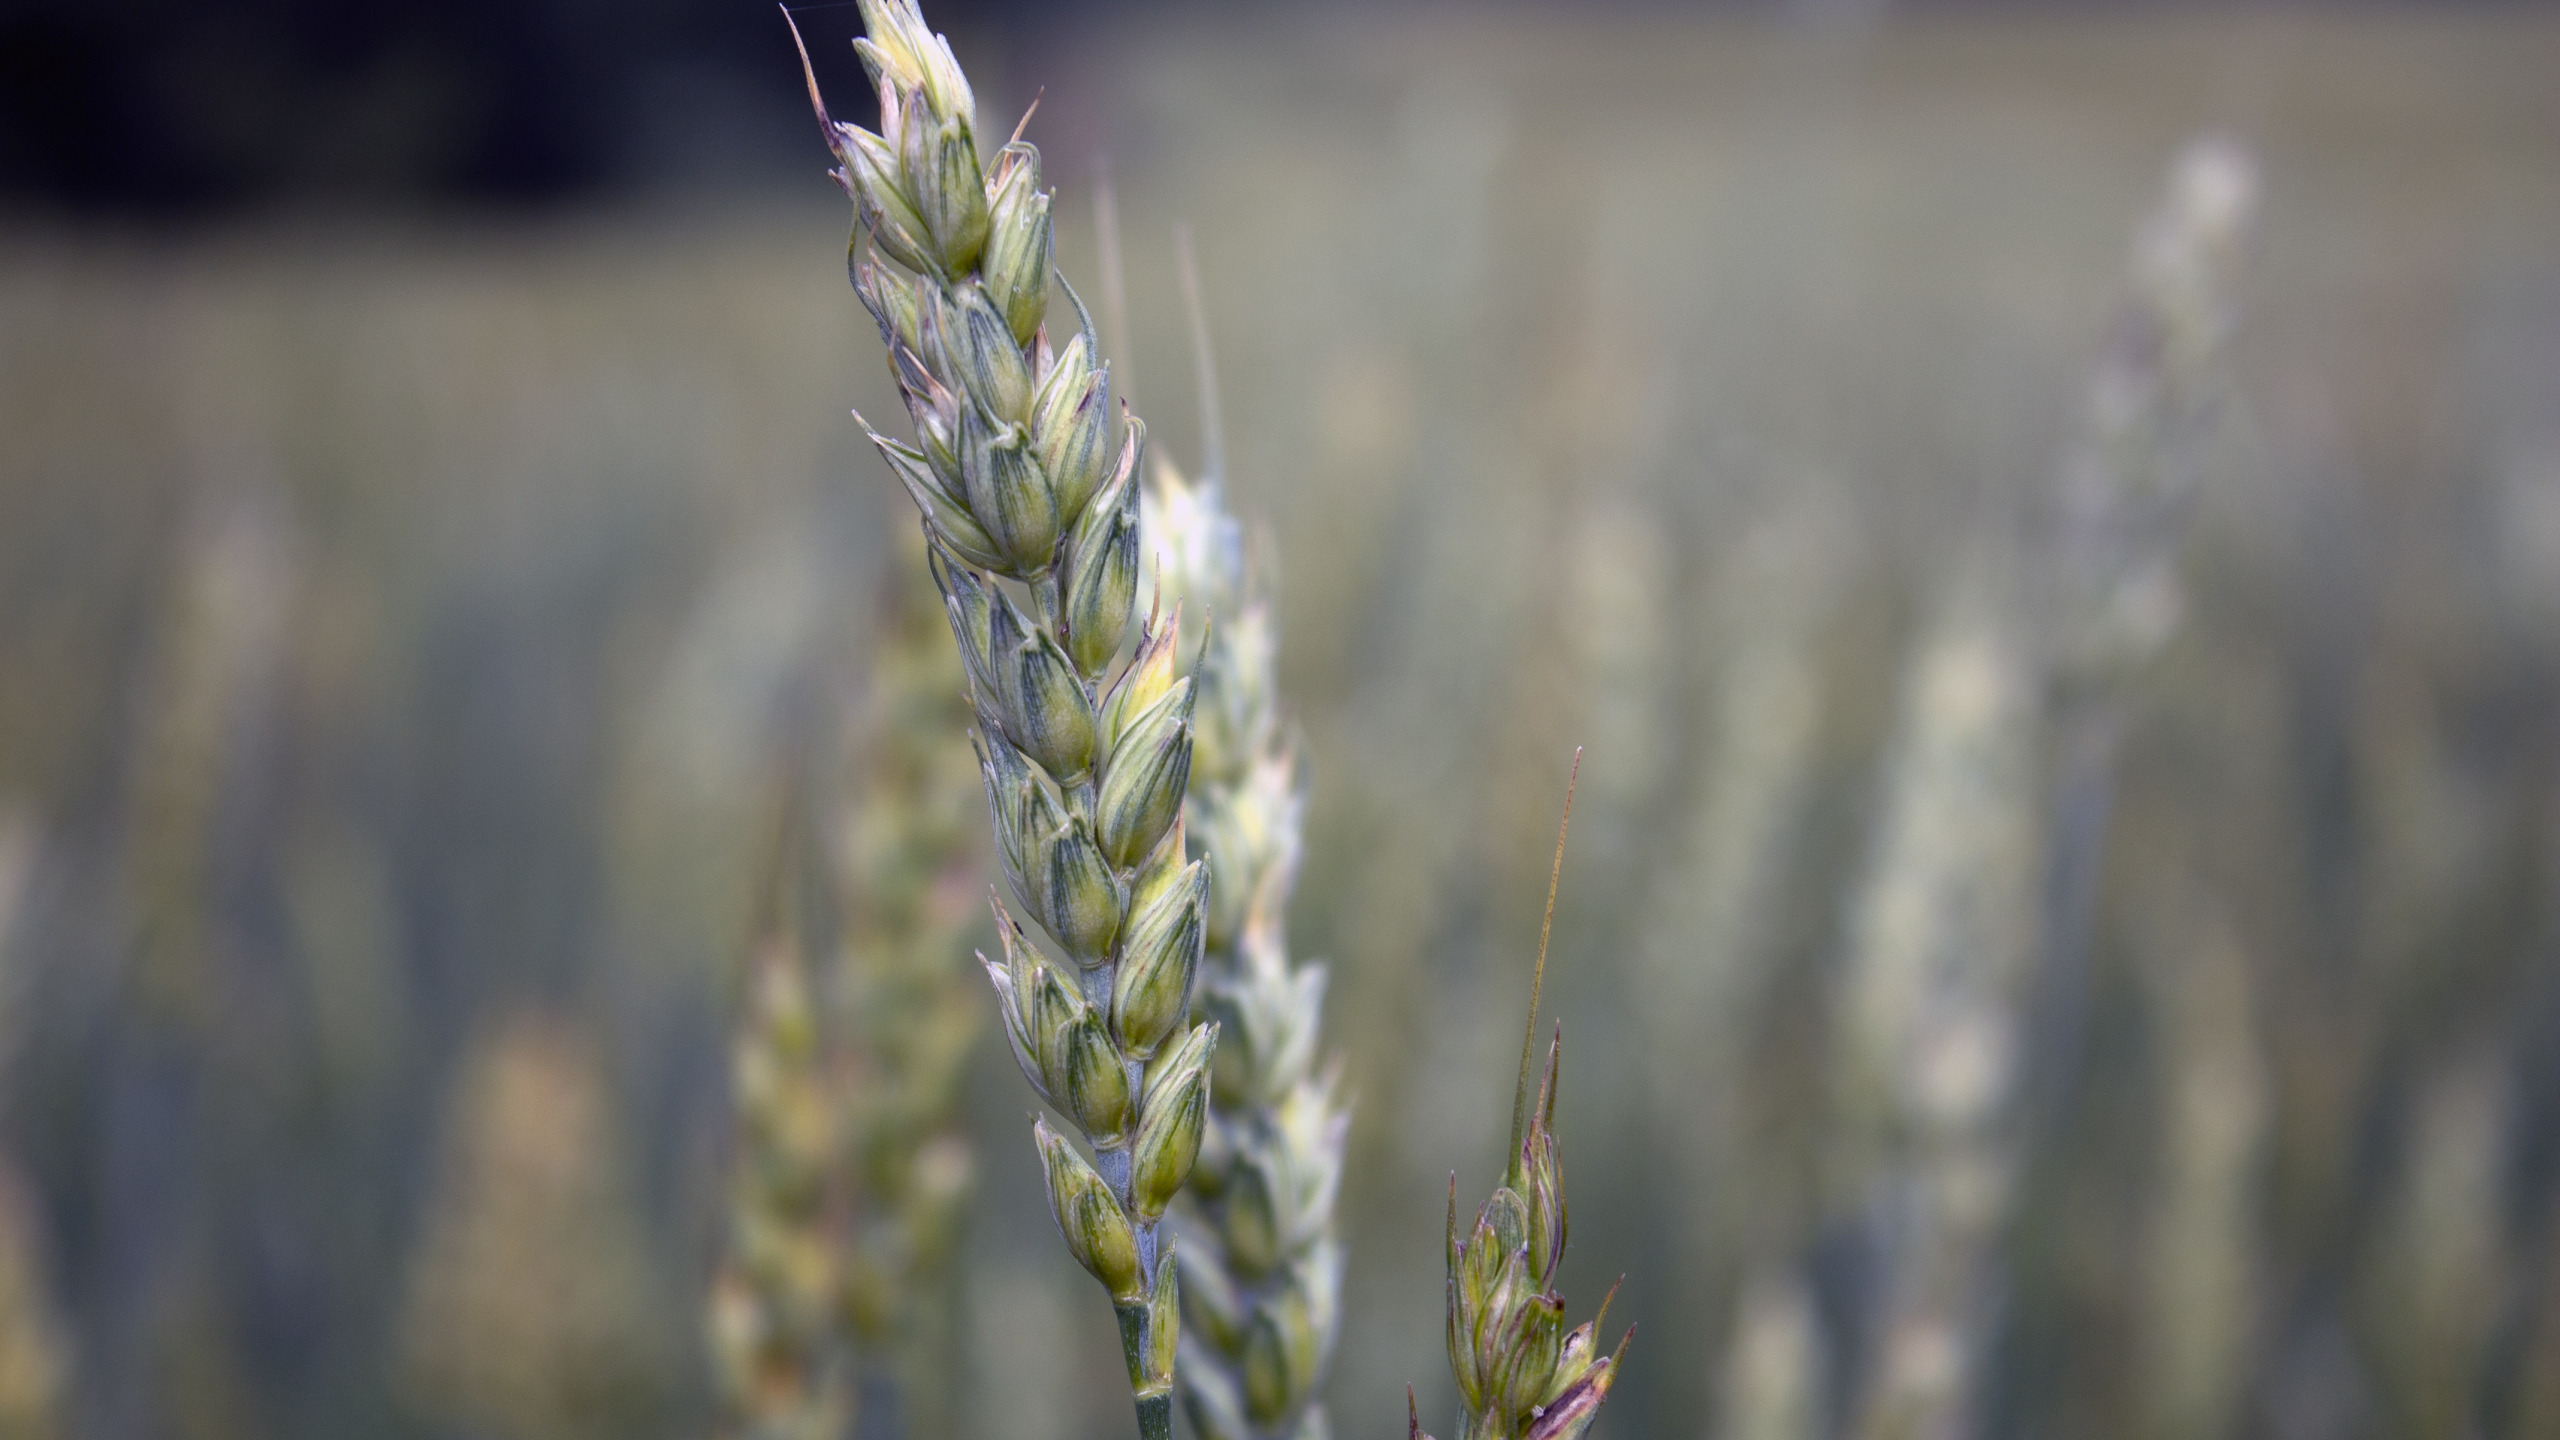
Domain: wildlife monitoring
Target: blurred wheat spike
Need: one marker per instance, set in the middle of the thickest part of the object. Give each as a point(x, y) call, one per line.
point(34, 1359)
point(1941, 949)
point(1020, 486)
point(851, 1171)
point(531, 1311)
point(909, 860)
point(1936, 997)
point(1520, 1373)
point(775, 1352)
point(1263, 1272)
point(2123, 497)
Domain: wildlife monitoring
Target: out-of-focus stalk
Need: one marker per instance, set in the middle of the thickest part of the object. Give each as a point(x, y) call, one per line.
point(209, 695)
point(776, 1349)
point(1773, 1378)
point(2122, 499)
point(2200, 1281)
point(2443, 1253)
point(1713, 936)
point(2533, 1406)
point(2108, 591)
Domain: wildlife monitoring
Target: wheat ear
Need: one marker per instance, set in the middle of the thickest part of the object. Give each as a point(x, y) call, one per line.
point(2121, 501)
point(1937, 983)
point(776, 1356)
point(907, 854)
point(1020, 486)
point(1262, 1268)
point(2119, 514)
point(851, 1170)
point(1520, 1373)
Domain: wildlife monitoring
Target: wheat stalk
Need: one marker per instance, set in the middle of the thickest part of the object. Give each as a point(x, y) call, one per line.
point(1085, 771)
point(1263, 1267)
point(1521, 1374)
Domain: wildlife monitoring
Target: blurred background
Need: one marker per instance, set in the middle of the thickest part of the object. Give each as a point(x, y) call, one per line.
point(428, 508)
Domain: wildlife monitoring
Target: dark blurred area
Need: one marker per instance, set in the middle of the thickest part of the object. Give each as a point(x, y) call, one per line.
point(148, 109)
point(156, 111)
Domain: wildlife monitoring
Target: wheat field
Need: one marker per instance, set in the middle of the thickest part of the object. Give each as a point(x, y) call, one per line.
point(400, 616)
